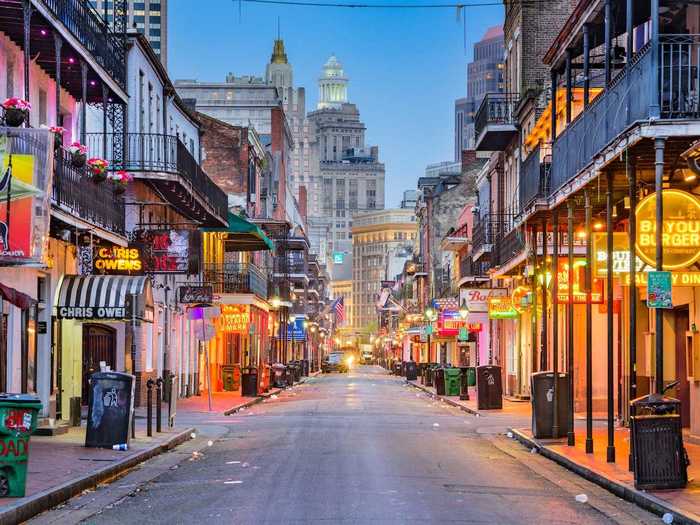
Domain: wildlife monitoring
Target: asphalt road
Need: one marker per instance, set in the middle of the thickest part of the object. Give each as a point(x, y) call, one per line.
point(352, 448)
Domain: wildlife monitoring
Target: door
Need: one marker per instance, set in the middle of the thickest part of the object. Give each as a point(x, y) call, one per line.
point(99, 344)
point(681, 325)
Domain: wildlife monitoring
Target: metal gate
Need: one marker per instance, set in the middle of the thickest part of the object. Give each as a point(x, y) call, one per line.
point(99, 344)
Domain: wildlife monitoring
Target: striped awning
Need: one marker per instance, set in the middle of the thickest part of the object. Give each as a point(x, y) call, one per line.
point(106, 297)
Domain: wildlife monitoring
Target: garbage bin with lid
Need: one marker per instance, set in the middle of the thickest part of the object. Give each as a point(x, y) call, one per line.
point(489, 389)
point(305, 367)
point(430, 374)
point(279, 373)
point(411, 371)
point(110, 409)
point(452, 376)
point(296, 367)
point(659, 459)
point(249, 382)
point(439, 380)
point(542, 399)
point(289, 374)
point(18, 417)
point(228, 377)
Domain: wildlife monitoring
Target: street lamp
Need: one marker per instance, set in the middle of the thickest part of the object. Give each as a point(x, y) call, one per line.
point(464, 310)
point(430, 315)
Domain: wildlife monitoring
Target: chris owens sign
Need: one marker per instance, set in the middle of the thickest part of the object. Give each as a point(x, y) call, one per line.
point(680, 235)
point(117, 260)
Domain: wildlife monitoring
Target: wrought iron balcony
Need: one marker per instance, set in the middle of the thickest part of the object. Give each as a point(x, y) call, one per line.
point(162, 160)
point(470, 270)
point(494, 122)
point(456, 240)
point(489, 230)
point(510, 246)
point(236, 278)
point(534, 177)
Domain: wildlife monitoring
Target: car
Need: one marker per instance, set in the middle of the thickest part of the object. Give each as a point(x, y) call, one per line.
point(335, 362)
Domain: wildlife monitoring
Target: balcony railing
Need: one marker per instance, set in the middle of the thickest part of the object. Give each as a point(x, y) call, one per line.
point(489, 230)
point(534, 177)
point(680, 76)
point(154, 152)
point(511, 245)
point(471, 268)
point(90, 30)
point(236, 278)
point(496, 109)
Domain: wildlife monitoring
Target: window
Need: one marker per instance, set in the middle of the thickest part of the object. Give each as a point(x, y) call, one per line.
point(139, 19)
point(43, 109)
point(10, 86)
point(156, 46)
point(150, 107)
point(139, 6)
point(142, 109)
point(154, 19)
point(154, 31)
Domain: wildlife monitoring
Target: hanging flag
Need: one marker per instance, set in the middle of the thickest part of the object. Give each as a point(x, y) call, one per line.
point(339, 308)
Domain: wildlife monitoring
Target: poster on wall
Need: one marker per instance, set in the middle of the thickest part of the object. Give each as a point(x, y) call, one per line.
point(659, 293)
point(168, 251)
point(26, 176)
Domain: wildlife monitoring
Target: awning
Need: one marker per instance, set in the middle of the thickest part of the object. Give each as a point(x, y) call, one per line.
point(15, 297)
point(247, 236)
point(106, 297)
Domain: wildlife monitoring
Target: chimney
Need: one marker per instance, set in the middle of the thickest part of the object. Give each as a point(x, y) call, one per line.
point(468, 157)
point(302, 202)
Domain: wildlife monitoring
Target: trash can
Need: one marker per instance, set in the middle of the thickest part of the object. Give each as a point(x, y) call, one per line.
point(296, 368)
point(471, 376)
point(542, 399)
point(659, 458)
point(430, 374)
point(249, 382)
point(289, 374)
point(18, 416)
point(279, 373)
point(452, 376)
point(110, 409)
point(228, 378)
point(305, 365)
point(439, 380)
point(489, 390)
point(411, 371)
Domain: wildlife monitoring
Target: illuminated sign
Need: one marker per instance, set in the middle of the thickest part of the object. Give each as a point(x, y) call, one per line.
point(579, 279)
point(474, 327)
point(680, 229)
point(169, 251)
point(338, 257)
point(477, 299)
point(502, 308)
point(234, 318)
point(117, 260)
point(521, 299)
point(449, 323)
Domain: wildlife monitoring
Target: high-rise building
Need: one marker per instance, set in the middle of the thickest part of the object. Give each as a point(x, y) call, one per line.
point(484, 75)
point(375, 237)
point(349, 178)
point(148, 17)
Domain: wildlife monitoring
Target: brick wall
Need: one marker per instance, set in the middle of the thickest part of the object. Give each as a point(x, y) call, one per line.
point(225, 150)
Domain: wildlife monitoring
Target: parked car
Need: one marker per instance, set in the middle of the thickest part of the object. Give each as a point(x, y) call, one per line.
point(336, 362)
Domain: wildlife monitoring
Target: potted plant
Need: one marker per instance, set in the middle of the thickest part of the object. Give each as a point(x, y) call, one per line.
point(58, 132)
point(97, 169)
point(120, 180)
point(16, 111)
point(78, 154)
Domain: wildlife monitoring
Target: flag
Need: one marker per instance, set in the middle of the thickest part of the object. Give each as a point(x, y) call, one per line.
point(339, 309)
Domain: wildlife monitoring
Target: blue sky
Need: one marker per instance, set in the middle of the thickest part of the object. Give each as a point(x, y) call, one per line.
point(406, 67)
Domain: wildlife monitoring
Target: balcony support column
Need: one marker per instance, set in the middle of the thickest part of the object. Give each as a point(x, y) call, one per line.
point(27, 20)
point(632, 166)
point(654, 107)
point(570, 436)
point(555, 80)
point(83, 102)
point(543, 346)
point(105, 92)
point(608, 42)
point(533, 263)
point(58, 44)
point(659, 147)
point(568, 86)
point(610, 451)
point(629, 29)
point(586, 65)
point(555, 320)
point(589, 326)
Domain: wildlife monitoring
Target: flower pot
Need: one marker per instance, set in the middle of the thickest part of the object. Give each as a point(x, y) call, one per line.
point(99, 177)
point(78, 160)
point(119, 189)
point(15, 117)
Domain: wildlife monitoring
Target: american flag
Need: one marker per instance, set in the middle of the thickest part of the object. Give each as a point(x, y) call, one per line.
point(339, 308)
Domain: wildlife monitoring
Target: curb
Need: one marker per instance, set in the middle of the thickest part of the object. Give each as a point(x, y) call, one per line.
point(622, 490)
point(32, 505)
point(252, 401)
point(445, 399)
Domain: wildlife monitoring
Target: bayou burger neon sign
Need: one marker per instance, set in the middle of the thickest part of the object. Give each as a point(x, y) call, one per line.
point(680, 235)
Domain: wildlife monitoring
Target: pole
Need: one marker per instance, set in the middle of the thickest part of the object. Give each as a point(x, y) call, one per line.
point(569, 86)
point(633, 280)
point(555, 323)
point(149, 407)
point(608, 42)
point(589, 328)
point(533, 233)
point(159, 403)
point(544, 349)
point(206, 358)
point(659, 146)
point(610, 451)
point(586, 65)
point(570, 435)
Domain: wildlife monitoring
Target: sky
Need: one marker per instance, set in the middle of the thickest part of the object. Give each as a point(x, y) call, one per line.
point(406, 67)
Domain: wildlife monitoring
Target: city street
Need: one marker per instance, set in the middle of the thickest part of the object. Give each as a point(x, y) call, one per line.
point(357, 448)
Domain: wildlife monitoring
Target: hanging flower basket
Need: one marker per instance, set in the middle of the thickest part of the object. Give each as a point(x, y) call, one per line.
point(97, 169)
point(78, 154)
point(120, 180)
point(16, 111)
point(58, 132)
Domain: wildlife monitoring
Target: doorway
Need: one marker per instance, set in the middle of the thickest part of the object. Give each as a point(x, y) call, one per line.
point(681, 326)
point(99, 344)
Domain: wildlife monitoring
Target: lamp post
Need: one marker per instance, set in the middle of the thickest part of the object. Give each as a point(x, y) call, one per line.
point(430, 316)
point(464, 390)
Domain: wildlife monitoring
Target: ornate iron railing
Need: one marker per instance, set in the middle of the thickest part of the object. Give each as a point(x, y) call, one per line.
point(236, 278)
point(509, 246)
point(495, 108)
point(534, 176)
point(680, 76)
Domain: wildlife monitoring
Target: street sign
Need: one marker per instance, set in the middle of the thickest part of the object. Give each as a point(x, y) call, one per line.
point(429, 329)
point(659, 290)
point(463, 335)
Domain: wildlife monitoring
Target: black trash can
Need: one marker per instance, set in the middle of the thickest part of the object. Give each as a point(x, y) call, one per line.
point(110, 409)
point(279, 375)
point(430, 374)
point(249, 382)
point(439, 380)
point(289, 374)
point(489, 389)
point(542, 399)
point(297, 371)
point(305, 365)
point(411, 371)
point(659, 459)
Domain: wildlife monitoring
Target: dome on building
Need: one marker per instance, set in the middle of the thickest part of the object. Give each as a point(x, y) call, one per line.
point(332, 68)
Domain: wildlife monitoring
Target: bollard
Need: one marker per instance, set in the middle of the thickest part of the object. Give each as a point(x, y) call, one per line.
point(464, 384)
point(133, 424)
point(171, 402)
point(159, 402)
point(149, 407)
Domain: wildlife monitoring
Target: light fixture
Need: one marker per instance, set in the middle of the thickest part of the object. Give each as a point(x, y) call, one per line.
point(690, 176)
point(598, 225)
point(464, 310)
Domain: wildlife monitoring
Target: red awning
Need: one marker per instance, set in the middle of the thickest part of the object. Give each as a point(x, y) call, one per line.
point(19, 299)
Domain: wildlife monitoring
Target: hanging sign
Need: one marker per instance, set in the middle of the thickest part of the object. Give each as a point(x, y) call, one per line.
point(450, 323)
point(168, 251)
point(235, 318)
point(117, 260)
point(579, 279)
point(463, 334)
point(502, 308)
point(680, 229)
point(195, 294)
point(521, 299)
point(477, 299)
point(659, 290)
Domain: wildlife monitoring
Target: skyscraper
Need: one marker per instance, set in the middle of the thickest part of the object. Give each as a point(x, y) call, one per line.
point(484, 75)
point(149, 17)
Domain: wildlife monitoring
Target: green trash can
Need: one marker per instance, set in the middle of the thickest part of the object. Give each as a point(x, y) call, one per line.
point(452, 381)
point(18, 417)
point(471, 376)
